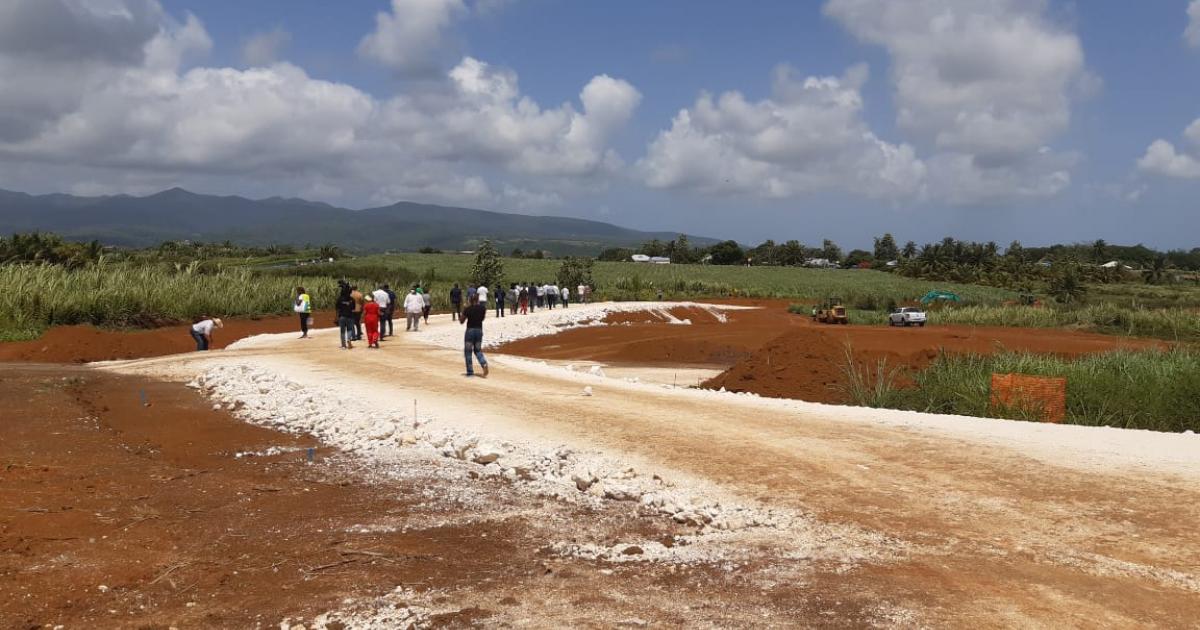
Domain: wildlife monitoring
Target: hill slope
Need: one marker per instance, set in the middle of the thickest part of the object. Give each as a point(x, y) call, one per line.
point(178, 214)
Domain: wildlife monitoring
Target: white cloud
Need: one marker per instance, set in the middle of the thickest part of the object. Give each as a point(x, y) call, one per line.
point(1191, 34)
point(1163, 159)
point(482, 116)
point(808, 136)
point(985, 83)
point(146, 118)
point(262, 49)
point(412, 37)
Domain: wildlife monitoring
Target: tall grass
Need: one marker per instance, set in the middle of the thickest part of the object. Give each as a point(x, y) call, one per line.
point(34, 297)
point(868, 386)
point(1172, 323)
point(1155, 390)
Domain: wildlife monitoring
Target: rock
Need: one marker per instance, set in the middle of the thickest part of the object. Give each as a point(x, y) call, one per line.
point(587, 391)
point(407, 439)
point(486, 454)
point(583, 482)
point(632, 550)
point(216, 406)
point(620, 492)
point(381, 431)
point(596, 370)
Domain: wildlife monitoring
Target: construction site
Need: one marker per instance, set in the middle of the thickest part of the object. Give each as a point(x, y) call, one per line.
point(623, 465)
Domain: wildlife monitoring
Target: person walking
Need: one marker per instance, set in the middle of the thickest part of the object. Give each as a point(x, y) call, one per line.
point(202, 332)
point(482, 295)
point(426, 303)
point(541, 295)
point(345, 317)
point(371, 320)
point(303, 307)
point(587, 294)
point(380, 297)
point(499, 300)
point(552, 295)
point(523, 299)
point(388, 314)
point(358, 309)
point(456, 301)
point(413, 306)
point(532, 289)
point(579, 293)
point(473, 317)
point(564, 294)
point(512, 299)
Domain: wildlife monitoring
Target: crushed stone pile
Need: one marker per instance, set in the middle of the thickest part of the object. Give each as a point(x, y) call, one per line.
point(268, 399)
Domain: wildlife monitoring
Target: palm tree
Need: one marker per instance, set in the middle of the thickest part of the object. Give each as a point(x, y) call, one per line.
point(1099, 248)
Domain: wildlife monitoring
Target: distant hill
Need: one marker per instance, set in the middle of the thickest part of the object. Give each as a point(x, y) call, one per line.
point(178, 214)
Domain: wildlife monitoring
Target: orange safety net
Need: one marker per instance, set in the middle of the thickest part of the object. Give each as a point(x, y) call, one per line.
point(1045, 396)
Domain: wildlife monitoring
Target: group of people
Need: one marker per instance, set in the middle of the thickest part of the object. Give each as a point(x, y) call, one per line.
point(518, 298)
point(372, 311)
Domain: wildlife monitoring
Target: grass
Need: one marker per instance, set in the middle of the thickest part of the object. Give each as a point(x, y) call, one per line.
point(138, 293)
point(35, 297)
point(628, 280)
point(1152, 389)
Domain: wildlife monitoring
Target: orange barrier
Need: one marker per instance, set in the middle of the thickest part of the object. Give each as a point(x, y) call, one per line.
point(1044, 396)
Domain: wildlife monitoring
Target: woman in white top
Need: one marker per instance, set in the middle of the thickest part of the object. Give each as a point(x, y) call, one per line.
point(202, 332)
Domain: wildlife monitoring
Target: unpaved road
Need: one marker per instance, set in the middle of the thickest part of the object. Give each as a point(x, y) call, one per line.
point(1064, 527)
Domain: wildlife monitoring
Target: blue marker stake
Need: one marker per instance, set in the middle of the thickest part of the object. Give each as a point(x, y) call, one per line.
point(142, 393)
point(311, 453)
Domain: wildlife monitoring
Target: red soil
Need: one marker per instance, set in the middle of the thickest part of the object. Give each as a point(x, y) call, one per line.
point(773, 353)
point(642, 338)
point(81, 344)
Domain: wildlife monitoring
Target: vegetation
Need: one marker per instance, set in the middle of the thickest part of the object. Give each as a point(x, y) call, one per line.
point(487, 269)
point(1153, 390)
point(221, 278)
point(574, 272)
point(34, 297)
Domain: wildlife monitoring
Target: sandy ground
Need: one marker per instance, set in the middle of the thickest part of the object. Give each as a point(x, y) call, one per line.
point(942, 521)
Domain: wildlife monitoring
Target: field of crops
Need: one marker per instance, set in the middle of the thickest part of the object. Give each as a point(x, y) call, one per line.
point(33, 297)
point(628, 280)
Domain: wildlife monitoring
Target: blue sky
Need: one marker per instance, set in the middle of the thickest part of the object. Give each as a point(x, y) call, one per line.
point(1036, 120)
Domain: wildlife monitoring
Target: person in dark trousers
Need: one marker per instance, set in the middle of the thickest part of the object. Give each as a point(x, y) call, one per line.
point(473, 317)
point(499, 300)
point(357, 296)
point(565, 294)
point(346, 317)
point(511, 298)
point(532, 297)
point(303, 307)
point(456, 301)
point(202, 332)
point(388, 314)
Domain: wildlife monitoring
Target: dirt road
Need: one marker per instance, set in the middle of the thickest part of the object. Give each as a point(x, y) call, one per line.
point(948, 521)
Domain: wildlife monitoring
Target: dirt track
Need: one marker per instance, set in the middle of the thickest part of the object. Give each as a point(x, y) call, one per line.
point(1068, 528)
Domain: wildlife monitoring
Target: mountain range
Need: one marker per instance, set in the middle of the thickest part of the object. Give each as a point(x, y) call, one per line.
point(178, 214)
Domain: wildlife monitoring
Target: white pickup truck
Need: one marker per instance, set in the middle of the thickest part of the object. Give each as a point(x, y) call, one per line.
point(906, 316)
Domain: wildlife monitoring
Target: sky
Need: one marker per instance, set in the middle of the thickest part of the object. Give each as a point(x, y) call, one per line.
point(1037, 120)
